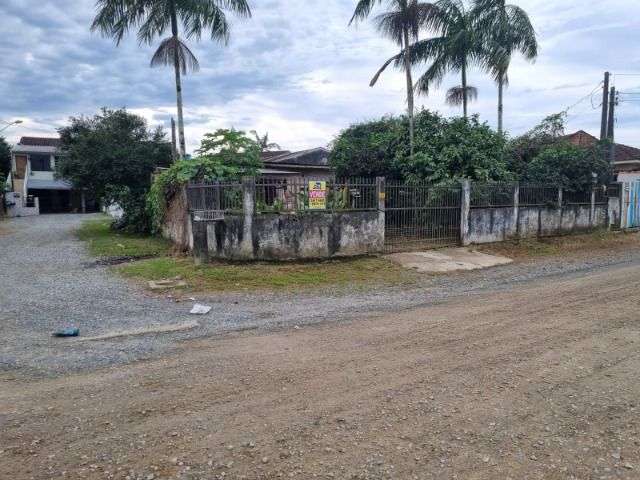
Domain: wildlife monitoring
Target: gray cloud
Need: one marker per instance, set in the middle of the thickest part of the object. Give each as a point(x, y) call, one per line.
point(297, 70)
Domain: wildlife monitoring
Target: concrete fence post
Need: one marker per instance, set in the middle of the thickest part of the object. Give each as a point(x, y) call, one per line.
point(560, 209)
point(516, 209)
point(592, 211)
point(382, 207)
point(465, 207)
point(248, 209)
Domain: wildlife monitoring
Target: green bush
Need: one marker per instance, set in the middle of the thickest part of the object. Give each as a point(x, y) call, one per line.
point(222, 155)
point(445, 149)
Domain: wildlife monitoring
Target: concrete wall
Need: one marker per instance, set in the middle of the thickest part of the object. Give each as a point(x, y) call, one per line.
point(488, 225)
point(15, 208)
point(177, 222)
point(289, 236)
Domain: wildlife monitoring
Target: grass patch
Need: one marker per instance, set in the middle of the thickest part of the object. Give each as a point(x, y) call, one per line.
point(102, 241)
point(527, 248)
point(221, 277)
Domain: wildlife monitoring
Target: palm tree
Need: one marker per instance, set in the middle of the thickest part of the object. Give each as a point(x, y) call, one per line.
point(402, 25)
point(509, 30)
point(153, 18)
point(264, 143)
point(458, 46)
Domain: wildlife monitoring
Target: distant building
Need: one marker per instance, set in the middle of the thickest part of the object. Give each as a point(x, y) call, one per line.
point(33, 189)
point(626, 164)
point(312, 164)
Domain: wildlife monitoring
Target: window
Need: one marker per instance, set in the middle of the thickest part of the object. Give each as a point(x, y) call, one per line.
point(40, 162)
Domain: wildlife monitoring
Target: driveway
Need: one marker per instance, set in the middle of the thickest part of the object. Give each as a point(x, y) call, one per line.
point(48, 281)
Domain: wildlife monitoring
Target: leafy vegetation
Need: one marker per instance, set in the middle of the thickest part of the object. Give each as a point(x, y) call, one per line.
point(542, 155)
point(458, 148)
point(270, 276)
point(5, 157)
point(223, 154)
point(446, 149)
point(112, 156)
point(103, 241)
point(153, 17)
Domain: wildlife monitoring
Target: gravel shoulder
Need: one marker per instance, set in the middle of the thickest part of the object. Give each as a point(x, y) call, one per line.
point(52, 282)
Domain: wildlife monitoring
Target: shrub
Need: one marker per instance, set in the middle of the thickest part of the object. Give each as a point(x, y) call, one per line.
point(222, 155)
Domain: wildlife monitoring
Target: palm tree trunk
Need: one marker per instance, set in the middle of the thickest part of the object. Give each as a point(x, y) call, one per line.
point(500, 101)
point(465, 99)
point(407, 68)
point(176, 66)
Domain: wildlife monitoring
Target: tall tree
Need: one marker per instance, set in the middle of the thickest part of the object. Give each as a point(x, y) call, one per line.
point(509, 30)
point(5, 157)
point(153, 18)
point(459, 45)
point(402, 25)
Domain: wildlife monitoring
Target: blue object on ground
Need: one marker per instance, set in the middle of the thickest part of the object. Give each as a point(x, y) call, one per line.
point(67, 332)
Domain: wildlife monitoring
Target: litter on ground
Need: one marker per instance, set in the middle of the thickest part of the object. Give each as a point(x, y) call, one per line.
point(200, 309)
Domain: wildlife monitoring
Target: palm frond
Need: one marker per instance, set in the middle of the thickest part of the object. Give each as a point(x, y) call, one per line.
point(393, 59)
point(363, 10)
point(165, 55)
point(456, 95)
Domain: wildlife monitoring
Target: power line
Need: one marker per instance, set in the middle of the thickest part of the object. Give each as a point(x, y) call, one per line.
point(586, 97)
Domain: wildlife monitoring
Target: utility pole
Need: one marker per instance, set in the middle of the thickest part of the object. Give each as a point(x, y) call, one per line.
point(605, 107)
point(613, 101)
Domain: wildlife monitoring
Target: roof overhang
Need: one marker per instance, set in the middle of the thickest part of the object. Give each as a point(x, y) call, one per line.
point(33, 149)
point(39, 184)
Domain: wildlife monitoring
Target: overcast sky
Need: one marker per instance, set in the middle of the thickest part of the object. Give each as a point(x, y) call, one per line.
point(299, 72)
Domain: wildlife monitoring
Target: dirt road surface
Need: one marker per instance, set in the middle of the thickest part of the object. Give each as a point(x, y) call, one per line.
point(535, 382)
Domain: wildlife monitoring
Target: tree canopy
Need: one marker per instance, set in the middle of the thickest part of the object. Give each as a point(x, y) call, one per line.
point(112, 155)
point(446, 149)
point(5, 157)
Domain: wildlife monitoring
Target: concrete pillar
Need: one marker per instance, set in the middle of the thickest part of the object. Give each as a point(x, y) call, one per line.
point(465, 206)
point(83, 202)
point(516, 209)
point(248, 209)
point(200, 241)
point(382, 207)
point(592, 211)
point(560, 210)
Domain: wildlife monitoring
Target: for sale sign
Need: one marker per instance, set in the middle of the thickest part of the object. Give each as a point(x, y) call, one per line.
point(317, 195)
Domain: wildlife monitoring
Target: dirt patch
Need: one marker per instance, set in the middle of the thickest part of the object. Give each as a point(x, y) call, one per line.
point(536, 382)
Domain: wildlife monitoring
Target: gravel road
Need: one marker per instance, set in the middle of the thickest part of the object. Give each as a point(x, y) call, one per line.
point(49, 282)
point(536, 383)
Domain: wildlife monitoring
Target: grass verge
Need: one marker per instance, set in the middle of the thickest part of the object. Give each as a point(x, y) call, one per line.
point(102, 241)
point(223, 277)
point(600, 240)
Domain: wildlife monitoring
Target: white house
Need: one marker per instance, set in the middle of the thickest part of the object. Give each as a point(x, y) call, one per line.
point(33, 188)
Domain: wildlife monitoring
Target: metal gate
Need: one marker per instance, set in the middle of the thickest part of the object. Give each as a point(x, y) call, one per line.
point(421, 216)
point(631, 205)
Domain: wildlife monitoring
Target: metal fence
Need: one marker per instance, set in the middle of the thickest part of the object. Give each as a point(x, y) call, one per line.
point(489, 195)
point(293, 194)
point(211, 200)
point(421, 215)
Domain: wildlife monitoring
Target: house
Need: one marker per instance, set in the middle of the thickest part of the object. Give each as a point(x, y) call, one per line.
point(32, 186)
point(626, 165)
point(312, 164)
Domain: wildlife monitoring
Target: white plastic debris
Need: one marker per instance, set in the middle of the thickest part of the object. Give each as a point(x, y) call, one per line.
point(200, 309)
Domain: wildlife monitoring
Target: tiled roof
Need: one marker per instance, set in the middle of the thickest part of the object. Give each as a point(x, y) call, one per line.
point(623, 153)
point(40, 142)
